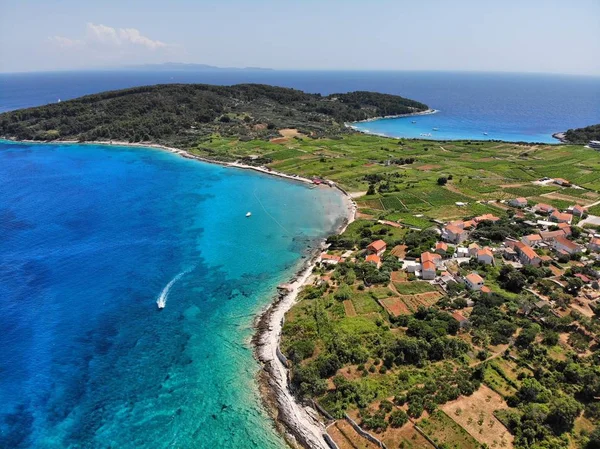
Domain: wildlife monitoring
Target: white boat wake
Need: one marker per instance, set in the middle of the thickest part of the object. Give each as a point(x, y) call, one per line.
point(161, 302)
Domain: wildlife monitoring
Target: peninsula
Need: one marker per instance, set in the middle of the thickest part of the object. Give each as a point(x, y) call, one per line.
point(459, 310)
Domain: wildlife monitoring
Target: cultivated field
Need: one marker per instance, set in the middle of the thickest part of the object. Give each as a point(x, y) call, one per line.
point(488, 171)
point(443, 430)
point(475, 414)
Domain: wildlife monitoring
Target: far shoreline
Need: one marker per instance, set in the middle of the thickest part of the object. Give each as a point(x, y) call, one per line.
point(558, 136)
point(295, 422)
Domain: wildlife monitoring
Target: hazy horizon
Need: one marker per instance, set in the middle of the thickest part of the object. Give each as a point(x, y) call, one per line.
point(466, 36)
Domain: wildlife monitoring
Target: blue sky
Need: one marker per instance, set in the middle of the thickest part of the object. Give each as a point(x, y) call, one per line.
point(508, 35)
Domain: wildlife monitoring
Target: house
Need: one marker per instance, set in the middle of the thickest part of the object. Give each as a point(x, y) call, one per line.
point(411, 266)
point(486, 217)
point(435, 258)
point(549, 236)
point(485, 256)
point(462, 321)
point(429, 264)
point(447, 279)
point(474, 281)
point(454, 234)
point(473, 248)
point(330, 259)
point(543, 208)
point(565, 228)
point(428, 270)
point(527, 255)
point(510, 253)
point(469, 224)
point(559, 217)
point(518, 202)
point(577, 210)
point(374, 259)
point(567, 246)
point(377, 247)
point(441, 248)
point(594, 244)
point(532, 239)
point(461, 251)
point(562, 182)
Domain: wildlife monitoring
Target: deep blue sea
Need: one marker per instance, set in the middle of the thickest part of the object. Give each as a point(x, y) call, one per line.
point(512, 107)
point(90, 236)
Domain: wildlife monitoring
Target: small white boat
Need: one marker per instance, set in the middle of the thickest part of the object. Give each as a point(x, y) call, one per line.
point(485, 134)
point(248, 214)
point(436, 129)
point(414, 121)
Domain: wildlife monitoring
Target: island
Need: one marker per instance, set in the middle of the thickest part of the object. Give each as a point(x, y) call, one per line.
point(460, 306)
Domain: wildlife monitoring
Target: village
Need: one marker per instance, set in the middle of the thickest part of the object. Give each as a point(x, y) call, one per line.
point(505, 285)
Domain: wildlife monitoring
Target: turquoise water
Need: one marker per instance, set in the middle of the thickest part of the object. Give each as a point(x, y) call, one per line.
point(90, 237)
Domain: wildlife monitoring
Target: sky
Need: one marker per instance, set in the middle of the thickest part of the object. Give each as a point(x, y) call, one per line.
point(552, 36)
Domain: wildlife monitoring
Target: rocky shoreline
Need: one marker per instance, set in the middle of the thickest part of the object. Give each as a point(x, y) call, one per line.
point(300, 423)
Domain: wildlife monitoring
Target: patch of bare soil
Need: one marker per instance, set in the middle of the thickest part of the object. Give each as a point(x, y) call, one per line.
point(475, 414)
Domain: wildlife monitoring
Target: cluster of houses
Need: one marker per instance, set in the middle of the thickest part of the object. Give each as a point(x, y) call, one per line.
point(551, 242)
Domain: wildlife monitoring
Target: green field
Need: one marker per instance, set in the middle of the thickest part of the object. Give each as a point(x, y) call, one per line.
point(480, 171)
point(443, 430)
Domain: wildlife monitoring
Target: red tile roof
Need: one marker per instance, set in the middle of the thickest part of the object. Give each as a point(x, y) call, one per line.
point(526, 250)
point(374, 258)
point(533, 237)
point(458, 317)
point(441, 245)
point(429, 257)
point(486, 217)
point(326, 256)
point(377, 245)
point(428, 265)
point(559, 216)
point(485, 252)
point(474, 278)
point(543, 207)
point(454, 229)
point(486, 289)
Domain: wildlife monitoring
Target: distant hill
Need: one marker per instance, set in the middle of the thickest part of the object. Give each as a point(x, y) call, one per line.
point(583, 135)
point(178, 114)
point(184, 67)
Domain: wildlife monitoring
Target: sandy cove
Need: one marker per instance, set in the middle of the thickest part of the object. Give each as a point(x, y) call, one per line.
point(299, 423)
point(410, 114)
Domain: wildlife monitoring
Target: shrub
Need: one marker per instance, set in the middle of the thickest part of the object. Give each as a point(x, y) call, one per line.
point(398, 418)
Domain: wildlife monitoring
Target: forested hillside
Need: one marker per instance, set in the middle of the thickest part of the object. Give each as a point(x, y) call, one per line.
point(180, 113)
point(583, 135)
